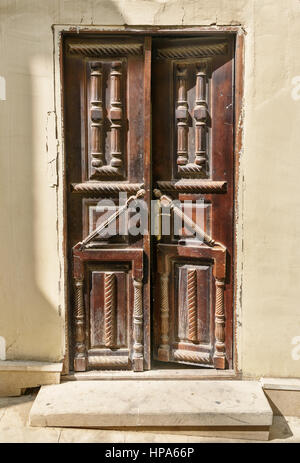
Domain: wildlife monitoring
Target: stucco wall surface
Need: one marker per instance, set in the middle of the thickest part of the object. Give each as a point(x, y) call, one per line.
point(268, 229)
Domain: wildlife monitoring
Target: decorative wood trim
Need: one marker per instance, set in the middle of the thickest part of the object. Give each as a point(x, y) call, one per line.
point(98, 357)
point(106, 362)
point(193, 51)
point(105, 49)
point(97, 188)
point(181, 355)
point(138, 348)
point(181, 114)
point(80, 350)
point(187, 220)
point(191, 170)
point(110, 219)
point(96, 115)
point(219, 355)
point(115, 167)
point(193, 186)
point(192, 304)
point(216, 253)
point(116, 115)
point(110, 308)
point(164, 348)
point(201, 116)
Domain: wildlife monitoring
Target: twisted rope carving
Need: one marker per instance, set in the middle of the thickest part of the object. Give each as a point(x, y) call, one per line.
point(96, 188)
point(138, 347)
point(117, 49)
point(164, 347)
point(192, 304)
point(193, 187)
point(220, 320)
point(112, 361)
point(220, 298)
point(192, 51)
point(109, 308)
point(79, 308)
point(106, 171)
point(192, 357)
point(138, 298)
point(80, 350)
point(191, 169)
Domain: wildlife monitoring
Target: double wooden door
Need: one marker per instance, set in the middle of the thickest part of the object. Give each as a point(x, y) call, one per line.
point(149, 174)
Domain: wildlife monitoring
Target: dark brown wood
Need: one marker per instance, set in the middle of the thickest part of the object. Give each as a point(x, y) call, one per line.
point(193, 305)
point(110, 87)
point(193, 160)
point(107, 121)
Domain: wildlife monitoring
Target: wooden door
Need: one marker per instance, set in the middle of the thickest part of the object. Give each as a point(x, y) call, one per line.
point(192, 150)
point(135, 295)
point(107, 132)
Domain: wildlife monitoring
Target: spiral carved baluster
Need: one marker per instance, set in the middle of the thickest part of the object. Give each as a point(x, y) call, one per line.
point(192, 304)
point(110, 309)
point(80, 348)
point(164, 348)
point(219, 356)
point(138, 348)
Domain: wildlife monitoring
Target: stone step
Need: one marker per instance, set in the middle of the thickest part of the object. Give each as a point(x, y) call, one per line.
point(205, 407)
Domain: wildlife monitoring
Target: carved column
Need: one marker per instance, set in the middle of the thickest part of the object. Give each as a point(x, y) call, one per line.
point(192, 304)
point(138, 348)
point(116, 115)
point(80, 359)
point(96, 115)
point(110, 309)
point(200, 115)
point(219, 355)
point(164, 348)
point(182, 116)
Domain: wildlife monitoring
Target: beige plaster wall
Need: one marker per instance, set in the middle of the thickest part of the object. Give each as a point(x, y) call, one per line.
point(31, 318)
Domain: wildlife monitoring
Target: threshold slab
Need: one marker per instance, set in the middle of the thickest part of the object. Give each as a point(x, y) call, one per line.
point(236, 405)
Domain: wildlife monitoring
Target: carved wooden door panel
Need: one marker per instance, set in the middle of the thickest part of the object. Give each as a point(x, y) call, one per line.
point(107, 135)
point(133, 296)
point(192, 152)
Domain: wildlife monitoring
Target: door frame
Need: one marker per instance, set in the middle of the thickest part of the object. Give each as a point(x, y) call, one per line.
point(61, 31)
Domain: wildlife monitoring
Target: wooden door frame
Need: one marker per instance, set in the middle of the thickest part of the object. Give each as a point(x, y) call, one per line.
point(61, 31)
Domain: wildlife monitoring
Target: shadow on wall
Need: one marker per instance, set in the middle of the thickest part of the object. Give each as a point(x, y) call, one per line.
point(30, 318)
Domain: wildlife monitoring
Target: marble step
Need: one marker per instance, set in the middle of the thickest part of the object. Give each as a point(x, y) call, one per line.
point(204, 407)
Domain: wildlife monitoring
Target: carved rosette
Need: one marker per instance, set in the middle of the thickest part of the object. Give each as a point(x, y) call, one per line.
point(192, 304)
point(164, 348)
point(219, 355)
point(80, 359)
point(110, 309)
point(138, 348)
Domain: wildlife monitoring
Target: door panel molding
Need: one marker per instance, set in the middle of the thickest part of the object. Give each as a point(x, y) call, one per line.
point(169, 348)
point(102, 358)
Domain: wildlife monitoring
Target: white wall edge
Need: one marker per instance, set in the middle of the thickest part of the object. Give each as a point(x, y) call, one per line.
point(30, 365)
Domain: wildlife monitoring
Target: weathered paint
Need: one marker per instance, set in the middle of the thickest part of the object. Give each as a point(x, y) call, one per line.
point(268, 214)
